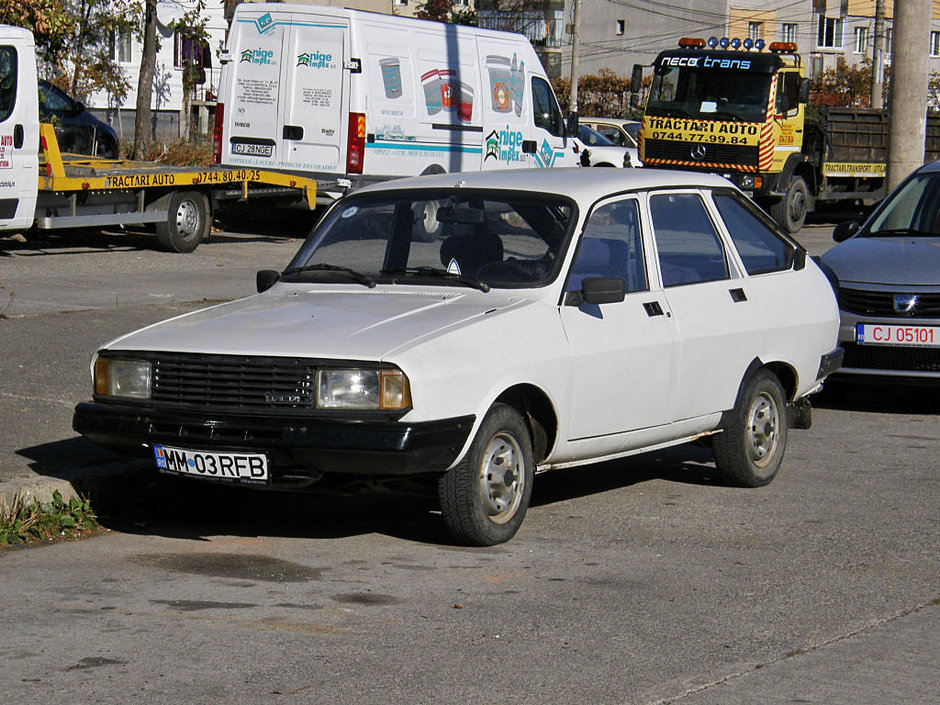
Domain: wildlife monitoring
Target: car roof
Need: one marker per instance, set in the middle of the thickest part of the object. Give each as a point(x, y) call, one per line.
point(616, 121)
point(581, 183)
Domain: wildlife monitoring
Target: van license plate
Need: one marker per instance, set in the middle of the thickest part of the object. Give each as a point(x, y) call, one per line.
point(253, 150)
point(252, 467)
point(882, 334)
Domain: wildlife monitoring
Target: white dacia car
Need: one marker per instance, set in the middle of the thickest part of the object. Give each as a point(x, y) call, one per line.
point(476, 329)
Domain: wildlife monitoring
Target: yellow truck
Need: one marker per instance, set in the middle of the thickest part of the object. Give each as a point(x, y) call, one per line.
point(42, 188)
point(729, 107)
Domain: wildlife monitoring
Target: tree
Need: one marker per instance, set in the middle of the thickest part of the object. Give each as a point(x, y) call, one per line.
point(848, 86)
point(606, 94)
point(49, 20)
point(437, 10)
point(143, 131)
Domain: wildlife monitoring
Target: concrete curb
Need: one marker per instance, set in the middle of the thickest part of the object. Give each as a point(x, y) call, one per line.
point(101, 484)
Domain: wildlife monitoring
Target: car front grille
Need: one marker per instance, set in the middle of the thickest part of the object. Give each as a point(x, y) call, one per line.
point(234, 382)
point(881, 303)
point(714, 153)
point(872, 357)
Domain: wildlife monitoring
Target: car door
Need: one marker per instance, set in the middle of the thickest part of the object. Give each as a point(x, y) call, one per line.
point(718, 326)
point(621, 353)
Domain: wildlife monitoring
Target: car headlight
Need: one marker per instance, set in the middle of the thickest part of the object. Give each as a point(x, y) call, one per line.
point(363, 389)
point(120, 377)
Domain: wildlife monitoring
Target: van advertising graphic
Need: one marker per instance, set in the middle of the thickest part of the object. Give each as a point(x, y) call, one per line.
point(505, 146)
point(444, 92)
point(257, 56)
point(317, 60)
point(507, 83)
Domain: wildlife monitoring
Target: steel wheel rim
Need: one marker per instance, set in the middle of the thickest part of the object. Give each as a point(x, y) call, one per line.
point(502, 478)
point(187, 219)
point(763, 423)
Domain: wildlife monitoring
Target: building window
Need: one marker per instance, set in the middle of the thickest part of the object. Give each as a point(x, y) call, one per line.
point(889, 36)
point(120, 46)
point(830, 33)
point(816, 67)
point(401, 3)
point(935, 43)
point(788, 32)
point(861, 39)
point(755, 30)
point(621, 26)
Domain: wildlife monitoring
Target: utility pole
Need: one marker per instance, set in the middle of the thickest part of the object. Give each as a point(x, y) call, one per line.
point(907, 119)
point(573, 92)
point(877, 57)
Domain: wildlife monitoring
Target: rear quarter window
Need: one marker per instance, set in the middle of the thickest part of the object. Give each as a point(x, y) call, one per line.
point(760, 248)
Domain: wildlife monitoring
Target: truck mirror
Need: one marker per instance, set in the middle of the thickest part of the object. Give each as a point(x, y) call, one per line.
point(635, 101)
point(636, 80)
point(804, 90)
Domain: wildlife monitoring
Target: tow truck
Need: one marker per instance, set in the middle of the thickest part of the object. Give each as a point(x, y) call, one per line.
point(42, 188)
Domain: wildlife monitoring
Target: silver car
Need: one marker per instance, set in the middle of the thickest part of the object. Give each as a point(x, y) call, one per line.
point(886, 274)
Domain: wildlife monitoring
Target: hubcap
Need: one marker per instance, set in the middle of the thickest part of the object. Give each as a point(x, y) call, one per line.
point(762, 432)
point(187, 219)
point(502, 478)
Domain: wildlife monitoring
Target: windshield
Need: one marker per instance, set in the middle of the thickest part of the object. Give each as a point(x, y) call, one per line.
point(913, 210)
point(470, 239)
point(707, 94)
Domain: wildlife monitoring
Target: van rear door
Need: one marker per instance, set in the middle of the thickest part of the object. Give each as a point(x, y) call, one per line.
point(19, 129)
point(316, 93)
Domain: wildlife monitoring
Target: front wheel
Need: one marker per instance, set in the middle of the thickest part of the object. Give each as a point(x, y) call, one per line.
point(484, 498)
point(187, 224)
point(790, 211)
point(750, 448)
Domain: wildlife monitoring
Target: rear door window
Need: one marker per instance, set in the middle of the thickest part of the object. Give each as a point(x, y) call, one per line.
point(760, 248)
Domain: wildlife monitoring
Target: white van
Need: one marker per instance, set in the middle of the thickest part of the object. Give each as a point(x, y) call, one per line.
point(354, 97)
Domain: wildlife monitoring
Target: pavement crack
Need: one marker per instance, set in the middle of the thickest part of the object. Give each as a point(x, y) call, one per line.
point(744, 672)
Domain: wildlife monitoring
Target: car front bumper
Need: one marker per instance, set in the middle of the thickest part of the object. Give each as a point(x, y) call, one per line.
point(297, 447)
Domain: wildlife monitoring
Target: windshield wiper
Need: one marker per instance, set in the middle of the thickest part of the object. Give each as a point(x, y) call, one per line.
point(675, 112)
point(361, 278)
point(440, 273)
point(733, 117)
point(899, 232)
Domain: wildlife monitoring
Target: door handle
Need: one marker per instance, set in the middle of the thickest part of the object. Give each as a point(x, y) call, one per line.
point(18, 136)
point(529, 146)
point(653, 308)
point(293, 132)
point(737, 295)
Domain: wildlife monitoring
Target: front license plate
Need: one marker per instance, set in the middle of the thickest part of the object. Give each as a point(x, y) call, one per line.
point(910, 336)
point(252, 467)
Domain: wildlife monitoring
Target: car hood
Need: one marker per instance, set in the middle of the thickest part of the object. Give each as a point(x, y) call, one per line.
point(886, 260)
point(296, 320)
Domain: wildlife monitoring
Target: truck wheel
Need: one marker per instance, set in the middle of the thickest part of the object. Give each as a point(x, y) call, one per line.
point(750, 448)
point(790, 211)
point(187, 222)
point(484, 498)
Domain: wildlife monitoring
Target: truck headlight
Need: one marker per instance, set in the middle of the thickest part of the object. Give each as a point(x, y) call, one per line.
point(120, 377)
point(363, 389)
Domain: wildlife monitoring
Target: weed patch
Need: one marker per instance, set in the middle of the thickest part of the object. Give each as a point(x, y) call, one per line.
point(24, 522)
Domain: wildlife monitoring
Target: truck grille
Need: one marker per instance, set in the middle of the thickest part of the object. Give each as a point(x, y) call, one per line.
point(881, 303)
point(234, 382)
point(725, 154)
point(871, 357)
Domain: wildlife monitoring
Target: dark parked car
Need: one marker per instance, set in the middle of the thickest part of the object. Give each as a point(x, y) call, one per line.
point(76, 129)
point(887, 278)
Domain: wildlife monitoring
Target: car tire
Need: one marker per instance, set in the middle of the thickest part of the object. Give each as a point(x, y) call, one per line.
point(750, 448)
point(427, 227)
point(106, 149)
point(187, 224)
point(484, 498)
point(790, 211)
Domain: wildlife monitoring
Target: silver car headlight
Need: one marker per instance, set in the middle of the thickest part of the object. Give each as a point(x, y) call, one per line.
point(363, 389)
point(120, 377)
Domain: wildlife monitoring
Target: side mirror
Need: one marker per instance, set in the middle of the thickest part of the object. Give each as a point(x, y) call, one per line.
point(571, 125)
point(636, 78)
point(603, 290)
point(799, 259)
point(804, 90)
point(843, 231)
point(266, 278)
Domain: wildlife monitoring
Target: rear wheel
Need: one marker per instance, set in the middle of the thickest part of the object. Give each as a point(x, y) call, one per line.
point(790, 211)
point(484, 498)
point(750, 448)
point(187, 222)
point(427, 227)
point(106, 148)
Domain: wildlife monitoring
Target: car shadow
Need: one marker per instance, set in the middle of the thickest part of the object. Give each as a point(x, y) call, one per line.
point(130, 496)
